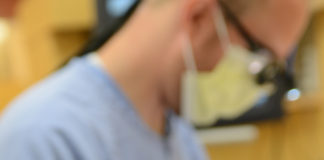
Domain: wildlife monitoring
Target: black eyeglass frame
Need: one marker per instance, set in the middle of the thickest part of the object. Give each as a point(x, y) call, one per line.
point(254, 45)
point(274, 67)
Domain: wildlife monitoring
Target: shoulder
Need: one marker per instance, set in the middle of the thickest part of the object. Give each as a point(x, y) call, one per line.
point(36, 142)
point(71, 91)
point(65, 102)
point(48, 100)
point(61, 116)
point(55, 118)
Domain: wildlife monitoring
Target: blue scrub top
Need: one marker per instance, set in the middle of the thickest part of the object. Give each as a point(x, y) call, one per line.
point(79, 113)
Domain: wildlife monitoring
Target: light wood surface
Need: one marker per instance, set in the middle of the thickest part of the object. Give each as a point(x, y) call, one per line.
point(8, 91)
point(52, 31)
point(298, 136)
point(44, 35)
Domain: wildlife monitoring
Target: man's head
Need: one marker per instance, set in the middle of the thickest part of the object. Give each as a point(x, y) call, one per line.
point(162, 26)
point(277, 24)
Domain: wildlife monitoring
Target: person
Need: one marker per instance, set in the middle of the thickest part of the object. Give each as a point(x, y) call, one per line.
point(123, 100)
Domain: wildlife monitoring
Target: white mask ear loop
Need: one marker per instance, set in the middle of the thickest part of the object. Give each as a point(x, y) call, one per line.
point(189, 90)
point(188, 55)
point(221, 29)
point(222, 33)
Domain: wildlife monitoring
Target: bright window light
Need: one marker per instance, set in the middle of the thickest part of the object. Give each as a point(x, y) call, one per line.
point(4, 30)
point(118, 7)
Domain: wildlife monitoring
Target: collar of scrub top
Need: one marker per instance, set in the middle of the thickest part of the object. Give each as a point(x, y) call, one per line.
point(94, 59)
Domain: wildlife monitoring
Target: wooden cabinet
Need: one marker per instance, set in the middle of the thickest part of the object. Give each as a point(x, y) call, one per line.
point(53, 31)
point(44, 34)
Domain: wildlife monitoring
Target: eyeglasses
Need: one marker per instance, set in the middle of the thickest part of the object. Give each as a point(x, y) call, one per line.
point(265, 71)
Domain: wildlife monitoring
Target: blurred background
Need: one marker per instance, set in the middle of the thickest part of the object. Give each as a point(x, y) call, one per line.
point(39, 36)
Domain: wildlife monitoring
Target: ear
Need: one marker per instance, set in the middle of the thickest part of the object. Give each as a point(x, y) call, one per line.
point(199, 26)
point(194, 12)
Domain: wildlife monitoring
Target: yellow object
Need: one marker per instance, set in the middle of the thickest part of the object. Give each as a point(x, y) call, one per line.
point(226, 92)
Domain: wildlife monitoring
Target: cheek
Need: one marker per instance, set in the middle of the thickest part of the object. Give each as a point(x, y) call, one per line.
point(208, 57)
point(299, 22)
point(206, 47)
point(209, 53)
point(279, 26)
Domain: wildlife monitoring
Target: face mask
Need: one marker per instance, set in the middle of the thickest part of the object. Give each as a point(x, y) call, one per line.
point(227, 91)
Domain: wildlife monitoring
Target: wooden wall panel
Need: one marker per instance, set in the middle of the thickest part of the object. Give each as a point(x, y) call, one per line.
point(45, 34)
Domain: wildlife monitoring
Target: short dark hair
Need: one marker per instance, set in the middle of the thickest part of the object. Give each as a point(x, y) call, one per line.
point(100, 36)
point(103, 32)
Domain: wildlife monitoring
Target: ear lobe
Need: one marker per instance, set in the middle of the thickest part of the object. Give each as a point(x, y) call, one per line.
point(199, 6)
point(197, 9)
point(193, 8)
point(195, 13)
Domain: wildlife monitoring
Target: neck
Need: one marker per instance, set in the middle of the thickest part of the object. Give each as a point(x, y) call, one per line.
point(131, 59)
